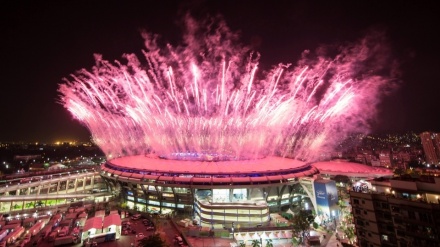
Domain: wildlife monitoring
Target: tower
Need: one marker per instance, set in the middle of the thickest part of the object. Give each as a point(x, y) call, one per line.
point(431, 144)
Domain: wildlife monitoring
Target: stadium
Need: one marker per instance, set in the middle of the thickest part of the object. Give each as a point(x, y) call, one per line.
point(183, 102)
point(215, 192)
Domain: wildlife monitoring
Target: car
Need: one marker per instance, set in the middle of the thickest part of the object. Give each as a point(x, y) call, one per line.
point(125, 232)
point(178, 239)
point(150, 228)
point(140, 235)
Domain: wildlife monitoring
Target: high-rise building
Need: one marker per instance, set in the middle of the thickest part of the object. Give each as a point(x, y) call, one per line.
point(431, 146)
point(398, 212)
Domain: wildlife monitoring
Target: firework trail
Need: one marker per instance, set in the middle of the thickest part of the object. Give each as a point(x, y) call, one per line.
point(208, 96)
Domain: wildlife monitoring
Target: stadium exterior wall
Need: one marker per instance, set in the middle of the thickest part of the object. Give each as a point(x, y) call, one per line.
point(163, 192)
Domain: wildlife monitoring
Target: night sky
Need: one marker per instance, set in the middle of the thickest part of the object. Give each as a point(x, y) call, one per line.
point(44, 41)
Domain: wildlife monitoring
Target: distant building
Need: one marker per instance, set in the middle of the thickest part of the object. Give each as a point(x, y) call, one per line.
point(375, 162)
point(384, 158)
point(361, 159)
point(27, 157)
point(57, 166)
point(431, 146)
point(36, 167)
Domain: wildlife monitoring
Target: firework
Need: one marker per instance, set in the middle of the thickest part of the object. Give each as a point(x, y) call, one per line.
point(208, 98)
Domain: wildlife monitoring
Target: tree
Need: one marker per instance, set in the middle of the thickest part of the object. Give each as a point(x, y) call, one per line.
point(342, 179)
point(152, 241)
point(349, 232)
point(269, 243)
point(296, 241)
point(242, 244)
point(256, 243)
point(399, 171)
point(301, 225)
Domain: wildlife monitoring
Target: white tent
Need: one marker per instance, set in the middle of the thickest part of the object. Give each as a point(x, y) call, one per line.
point(281, 235)
point(247, 236)
point(255, 236)
point(238, 236)
point(264, 235)
point(272, 236)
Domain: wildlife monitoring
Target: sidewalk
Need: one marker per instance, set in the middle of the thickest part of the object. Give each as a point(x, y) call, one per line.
point(329, 241)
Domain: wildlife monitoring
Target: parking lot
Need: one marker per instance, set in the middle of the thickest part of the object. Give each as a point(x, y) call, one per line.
point(133, 230)
point(139, 227)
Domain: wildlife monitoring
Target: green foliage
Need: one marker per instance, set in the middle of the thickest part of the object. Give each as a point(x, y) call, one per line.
point(242, 244)
point(342, 179)
point(256, 243)
point(269, 243)
point(399, 171)
point(349, 231)
point(204, 234)
point(287, 216)
point(221, 234)
point(301, 224)
point(282, 224)
point(296, 241)
point(152, 241)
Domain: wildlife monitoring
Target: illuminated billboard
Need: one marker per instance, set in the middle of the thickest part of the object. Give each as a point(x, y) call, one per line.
point(326, 196)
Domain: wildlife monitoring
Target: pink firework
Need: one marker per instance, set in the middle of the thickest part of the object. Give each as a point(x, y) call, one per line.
point(209, 97)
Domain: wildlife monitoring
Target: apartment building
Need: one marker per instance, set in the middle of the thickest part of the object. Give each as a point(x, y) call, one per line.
point(407, 213)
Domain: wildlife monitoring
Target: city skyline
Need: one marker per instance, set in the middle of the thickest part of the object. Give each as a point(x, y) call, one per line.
point(47, 42)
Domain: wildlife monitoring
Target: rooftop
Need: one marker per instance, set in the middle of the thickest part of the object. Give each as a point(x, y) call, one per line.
point(268, 164)
point(351, 169)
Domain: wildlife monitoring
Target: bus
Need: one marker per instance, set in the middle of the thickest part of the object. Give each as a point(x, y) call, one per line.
point(103, 237)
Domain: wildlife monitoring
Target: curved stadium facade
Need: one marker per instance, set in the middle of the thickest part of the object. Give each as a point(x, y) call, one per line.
point(217, 192)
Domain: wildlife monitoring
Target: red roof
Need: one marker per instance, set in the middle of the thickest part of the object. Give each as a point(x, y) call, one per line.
point(95, 222)
point(112, 219)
